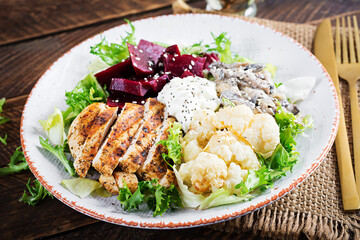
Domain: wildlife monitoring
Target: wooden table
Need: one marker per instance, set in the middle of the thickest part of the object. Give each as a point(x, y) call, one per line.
point(33, 34)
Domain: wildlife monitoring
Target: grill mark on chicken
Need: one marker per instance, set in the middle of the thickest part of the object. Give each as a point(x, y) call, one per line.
point(144, 139)
point(155, 167)
point(113, 182)
point(79, 129)
point(96, 135)
point(119, 138)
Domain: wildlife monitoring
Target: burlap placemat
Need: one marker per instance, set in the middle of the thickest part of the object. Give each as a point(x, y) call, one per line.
point(314, 208)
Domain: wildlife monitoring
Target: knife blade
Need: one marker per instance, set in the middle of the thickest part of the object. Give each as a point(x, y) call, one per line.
point(324, 51)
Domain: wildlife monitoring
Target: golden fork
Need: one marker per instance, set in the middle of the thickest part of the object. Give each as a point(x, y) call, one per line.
point(349, 69)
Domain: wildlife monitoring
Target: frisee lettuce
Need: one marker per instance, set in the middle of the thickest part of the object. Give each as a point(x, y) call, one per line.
point(172, 144)
point(158, 198)
point(2, 118)
point(112, 53)
point(58, 152)
point(86, 92)
point(37, 193)
point(17, 163)
point(3, 140)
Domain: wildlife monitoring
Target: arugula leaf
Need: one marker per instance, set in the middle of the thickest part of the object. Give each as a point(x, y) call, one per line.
point(85, 93)
point(3, 140)
point(3, 119)
point(158, 198)
point(37, 193)
point(58, 151)
point(172, 144)
point(17, 163)
point(114, 53)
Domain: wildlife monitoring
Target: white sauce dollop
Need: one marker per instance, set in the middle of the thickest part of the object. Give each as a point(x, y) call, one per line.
point(297, 89)
point(183, 96)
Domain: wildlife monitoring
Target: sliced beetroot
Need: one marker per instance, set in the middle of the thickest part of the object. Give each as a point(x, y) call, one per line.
point(156, 83)
point(186, 73)
point(128, 86)
point(173, 50)
point(176, 65)
point(145, 57)
point(210, 58)
point(122, 69)
point(118, 99)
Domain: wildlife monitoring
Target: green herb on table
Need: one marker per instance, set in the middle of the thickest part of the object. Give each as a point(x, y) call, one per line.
point(172, 144)
point(58, 151)
point(37, 193)
point(3, 120)
point(112, 53)
point(158, 198)
point(17, 163)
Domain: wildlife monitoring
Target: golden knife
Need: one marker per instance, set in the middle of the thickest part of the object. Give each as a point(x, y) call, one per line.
point(324, 51)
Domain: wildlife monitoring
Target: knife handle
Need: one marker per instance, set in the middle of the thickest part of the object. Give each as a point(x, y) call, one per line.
point(347, 180)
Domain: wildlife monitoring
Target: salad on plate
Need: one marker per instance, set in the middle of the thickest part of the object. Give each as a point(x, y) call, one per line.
point(176, 126)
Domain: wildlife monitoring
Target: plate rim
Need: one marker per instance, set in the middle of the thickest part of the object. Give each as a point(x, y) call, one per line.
point(202, 222)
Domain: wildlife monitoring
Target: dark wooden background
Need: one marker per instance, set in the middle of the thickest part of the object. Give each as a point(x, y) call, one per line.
point(33, 34)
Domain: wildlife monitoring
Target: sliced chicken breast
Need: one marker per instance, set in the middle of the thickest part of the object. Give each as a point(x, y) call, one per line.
point(119, 139)
point(168, 179)
point(96, 134)
point(144, 138)
point(112, 183)
point(79, 129)
point(154, 166)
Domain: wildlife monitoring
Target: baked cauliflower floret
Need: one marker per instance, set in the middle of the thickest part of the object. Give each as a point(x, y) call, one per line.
point(236, 119)
point(206, 173)
point(235, 176)
point(227, 147)
point(263, 134)
point(205, 123)
point(191, 150)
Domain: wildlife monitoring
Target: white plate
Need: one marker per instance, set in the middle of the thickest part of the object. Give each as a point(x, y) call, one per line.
point(248, 39)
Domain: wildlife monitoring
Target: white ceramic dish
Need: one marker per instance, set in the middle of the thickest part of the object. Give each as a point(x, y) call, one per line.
point(250, 40)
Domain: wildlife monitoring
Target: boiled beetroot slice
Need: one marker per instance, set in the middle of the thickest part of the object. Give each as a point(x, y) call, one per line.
point(122, 69)
point(210, 58)
point(186, 73)
point(128, 86)
point(173, 50)
point(176, 65)
point(145, 57)
point(156, 83)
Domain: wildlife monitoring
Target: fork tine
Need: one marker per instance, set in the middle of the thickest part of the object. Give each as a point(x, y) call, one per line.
point(344, 42)
point(357, 40)
point(351, 42)
point(337, 42)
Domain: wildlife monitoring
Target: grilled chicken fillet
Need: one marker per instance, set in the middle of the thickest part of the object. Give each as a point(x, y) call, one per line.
point(119, 139)
point(113, 182)
point(155, 167)
point(144, 138)
point(96, 134)
point(79, 129)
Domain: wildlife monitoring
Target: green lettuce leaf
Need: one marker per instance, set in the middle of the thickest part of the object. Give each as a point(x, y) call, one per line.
point(37, 193)
point(112, 53)
point(2, 118)
point(172, 144)
point(17, 163)
point(54, 127)
point(3, 140)
point(81, 187)
point(85, 93)
point(58, 151)
point(222, 197)
point(158, 198)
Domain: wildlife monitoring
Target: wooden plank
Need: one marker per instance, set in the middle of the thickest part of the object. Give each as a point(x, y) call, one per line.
point(24, 19)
